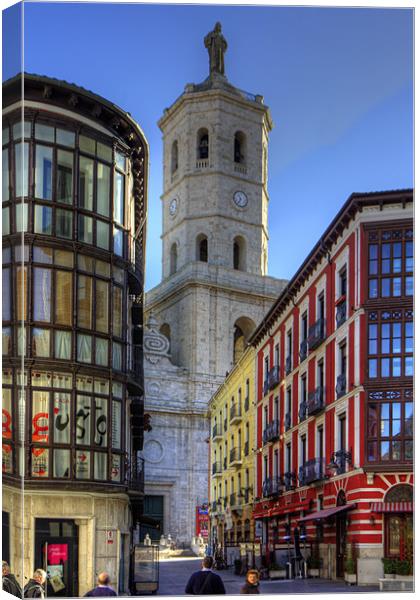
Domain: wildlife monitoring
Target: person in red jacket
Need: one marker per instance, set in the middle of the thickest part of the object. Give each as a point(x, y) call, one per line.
point(205, 581)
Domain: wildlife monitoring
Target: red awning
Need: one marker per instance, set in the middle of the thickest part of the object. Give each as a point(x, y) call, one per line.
point(327, 512)
point(394, 507)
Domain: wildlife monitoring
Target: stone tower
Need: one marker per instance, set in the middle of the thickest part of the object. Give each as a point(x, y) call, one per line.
point(215, 287)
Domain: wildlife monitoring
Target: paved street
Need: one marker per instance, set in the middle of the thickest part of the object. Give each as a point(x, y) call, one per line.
point(174, 574)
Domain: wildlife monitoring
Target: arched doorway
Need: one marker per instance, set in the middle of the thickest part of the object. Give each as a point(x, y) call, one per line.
point(399, 524)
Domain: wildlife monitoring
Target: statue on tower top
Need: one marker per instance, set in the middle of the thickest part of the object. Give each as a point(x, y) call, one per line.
point(216, 46)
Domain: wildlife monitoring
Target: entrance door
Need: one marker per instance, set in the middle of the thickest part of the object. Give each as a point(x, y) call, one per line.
point(399, 536)
point(153, 509)
point(340, 545)
point(56, 551)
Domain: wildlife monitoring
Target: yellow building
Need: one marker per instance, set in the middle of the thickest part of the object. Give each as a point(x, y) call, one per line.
point(232, 417)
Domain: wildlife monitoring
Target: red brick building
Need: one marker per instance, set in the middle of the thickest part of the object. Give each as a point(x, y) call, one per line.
point(334, 447)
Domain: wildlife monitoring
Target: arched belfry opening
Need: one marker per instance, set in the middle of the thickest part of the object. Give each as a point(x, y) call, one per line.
point(239, 148)
point(239, 253)
point(174, 157)
point(202, 250)
point(173, 259)
point(243, 328)
point(203, 144)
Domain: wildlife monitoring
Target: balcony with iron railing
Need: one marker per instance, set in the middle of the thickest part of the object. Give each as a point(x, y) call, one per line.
point(303, 408)
point(341, 385)
point(235, 414)
point(289, 481)
point(274, 377)
point(316, 401)
point(271, 486)
point(265, 387)
point(235, 457)
point(311, 471)
point(316, 334)
point(246, 403)
point(271, 432)
point(287, 421)
point(217, 432)
point(135, 474)
point(288, 365)
point(216, 468)
point(303, 349)
point(341, 312)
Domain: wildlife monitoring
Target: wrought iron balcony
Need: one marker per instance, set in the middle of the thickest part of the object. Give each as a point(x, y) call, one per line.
point(273, 377)
point(265, 387)
point(341, 386)
point(216, 468)
point(341, 314)
point(316, 400)
point(288, 365)
point(217, 431)
point(235, 414)
point(271, 486)
point(246, 448)
point(246, 403)
point(135, 474)
point(271, 432)
point(287, 421)
point(316, 334)
point(235, 456)
point(312, 470)
point(303, 349)
point(303, 407)
point(289, 480)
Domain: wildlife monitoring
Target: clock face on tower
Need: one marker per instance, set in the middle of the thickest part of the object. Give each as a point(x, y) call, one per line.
point(173, 207)
point(240, 199)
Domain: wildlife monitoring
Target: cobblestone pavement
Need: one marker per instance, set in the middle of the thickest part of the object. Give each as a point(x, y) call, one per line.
point(174, 574)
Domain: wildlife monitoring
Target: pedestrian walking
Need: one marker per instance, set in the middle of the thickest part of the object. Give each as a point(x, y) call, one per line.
point(10, 583)
point(252, 583)
point(205, 582)
point(35, 586)
point(102, 588)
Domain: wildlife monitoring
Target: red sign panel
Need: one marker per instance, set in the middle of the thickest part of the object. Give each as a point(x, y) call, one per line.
point(57, 553)
point(202, 521)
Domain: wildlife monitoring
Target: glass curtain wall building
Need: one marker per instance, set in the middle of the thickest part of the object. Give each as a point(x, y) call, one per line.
point(74, 211)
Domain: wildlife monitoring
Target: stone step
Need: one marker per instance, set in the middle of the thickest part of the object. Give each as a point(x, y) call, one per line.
point(396, 585)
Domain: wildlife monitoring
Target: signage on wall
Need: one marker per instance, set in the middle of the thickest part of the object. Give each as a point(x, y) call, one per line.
point(57, 554)
point(110, 537)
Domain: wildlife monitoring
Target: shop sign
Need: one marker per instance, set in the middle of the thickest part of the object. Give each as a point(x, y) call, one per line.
point(110, 537)
point(57, 553)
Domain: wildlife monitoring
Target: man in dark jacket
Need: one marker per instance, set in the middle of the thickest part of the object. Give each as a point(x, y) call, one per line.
point(35, 586)
point(103, 588)
point(205, 581)
point(10, 583)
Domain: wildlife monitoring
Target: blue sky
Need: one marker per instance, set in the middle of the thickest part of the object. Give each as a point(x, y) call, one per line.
point(339, 84)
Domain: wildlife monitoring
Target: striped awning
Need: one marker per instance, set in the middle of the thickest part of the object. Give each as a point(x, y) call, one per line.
point(326, 513)
point(391, 507)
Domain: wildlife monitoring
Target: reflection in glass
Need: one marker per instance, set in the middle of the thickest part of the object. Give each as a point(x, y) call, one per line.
point(65, 138)
point(6, 220)
point(61, 463)
point(101, 352)
point(103, 199)
point(84, 348)
point(86, 183)
point(64, 297)
point(63, 345)
point(44, 132)
point(6, 314)
point(64, 176)
point(21, 217)
point(21, 169)
point(43, 173)
point(102, 234)
point(63, 258)
point(85, 229)
point(84, 301)
point(83, 419)
point(100, 466)
point(6, 341)
point(42, 294)
point(118, 241)
point(117, 310)
point(40, 342)
point(102, 305)
point(43, 219)
point(64, 223)
point(116, 356)
point(119, 198)
point(87, 144)
point(104, 152)
point(5, 174)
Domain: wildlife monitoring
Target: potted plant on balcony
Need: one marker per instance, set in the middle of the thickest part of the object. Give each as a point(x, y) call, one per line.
point(314, 565)
point(350, 576)
point(389, 568)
